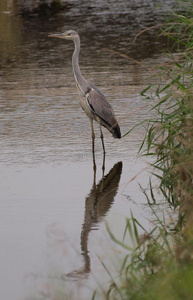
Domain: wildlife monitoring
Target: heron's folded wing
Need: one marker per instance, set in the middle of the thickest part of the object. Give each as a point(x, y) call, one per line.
point(100, 106)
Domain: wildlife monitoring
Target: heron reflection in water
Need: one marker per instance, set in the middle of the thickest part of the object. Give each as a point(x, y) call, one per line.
point(93, 102)
point(97, 204)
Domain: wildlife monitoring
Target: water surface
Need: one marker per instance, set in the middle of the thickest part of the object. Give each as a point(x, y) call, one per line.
point(53, 206)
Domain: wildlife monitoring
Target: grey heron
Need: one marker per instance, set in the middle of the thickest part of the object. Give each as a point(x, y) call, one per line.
point(93, 102)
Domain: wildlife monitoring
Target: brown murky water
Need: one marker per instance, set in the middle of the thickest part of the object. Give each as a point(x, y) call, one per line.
point(53, 207)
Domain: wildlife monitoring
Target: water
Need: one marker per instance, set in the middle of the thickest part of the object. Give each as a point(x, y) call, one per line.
point(53, 206)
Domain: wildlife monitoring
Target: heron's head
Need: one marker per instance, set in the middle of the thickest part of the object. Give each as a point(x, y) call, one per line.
point(68, 35)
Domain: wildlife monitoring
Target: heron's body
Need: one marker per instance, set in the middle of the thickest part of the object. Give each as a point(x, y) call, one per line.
point(93, 101)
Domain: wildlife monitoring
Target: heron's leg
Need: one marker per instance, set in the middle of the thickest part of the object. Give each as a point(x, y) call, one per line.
point(102, 139)
point(103, 167)
point(94, 169)
point(93, 135)
point(93, 152)
point(94, 172)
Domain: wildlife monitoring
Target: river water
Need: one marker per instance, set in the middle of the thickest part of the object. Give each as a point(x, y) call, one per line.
point(54, 208)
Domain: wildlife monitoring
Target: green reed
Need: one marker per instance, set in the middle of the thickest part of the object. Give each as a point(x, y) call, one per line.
point(161, 264)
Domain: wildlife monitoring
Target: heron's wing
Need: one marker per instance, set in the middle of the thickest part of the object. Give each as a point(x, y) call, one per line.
point(100, 106)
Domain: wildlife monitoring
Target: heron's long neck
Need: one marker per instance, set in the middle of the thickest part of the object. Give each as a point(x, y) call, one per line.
point(81, 82)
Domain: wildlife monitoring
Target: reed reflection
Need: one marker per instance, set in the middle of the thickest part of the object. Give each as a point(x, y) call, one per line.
point(97, 204)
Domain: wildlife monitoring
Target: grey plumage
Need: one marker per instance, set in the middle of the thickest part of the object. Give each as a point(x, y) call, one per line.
point(99, 105)
point(94, 103)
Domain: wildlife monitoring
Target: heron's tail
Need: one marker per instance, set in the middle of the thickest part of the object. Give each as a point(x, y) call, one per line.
point(116, 131)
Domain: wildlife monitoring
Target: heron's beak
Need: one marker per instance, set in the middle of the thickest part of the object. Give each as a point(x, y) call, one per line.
point(57, 35)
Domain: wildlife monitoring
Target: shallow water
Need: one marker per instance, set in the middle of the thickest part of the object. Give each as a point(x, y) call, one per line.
point(53, 206)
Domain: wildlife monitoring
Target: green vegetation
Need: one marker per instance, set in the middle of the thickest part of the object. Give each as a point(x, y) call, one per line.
point(161, 265)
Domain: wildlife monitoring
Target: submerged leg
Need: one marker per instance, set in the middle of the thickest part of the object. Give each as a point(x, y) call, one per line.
point(102, 139)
